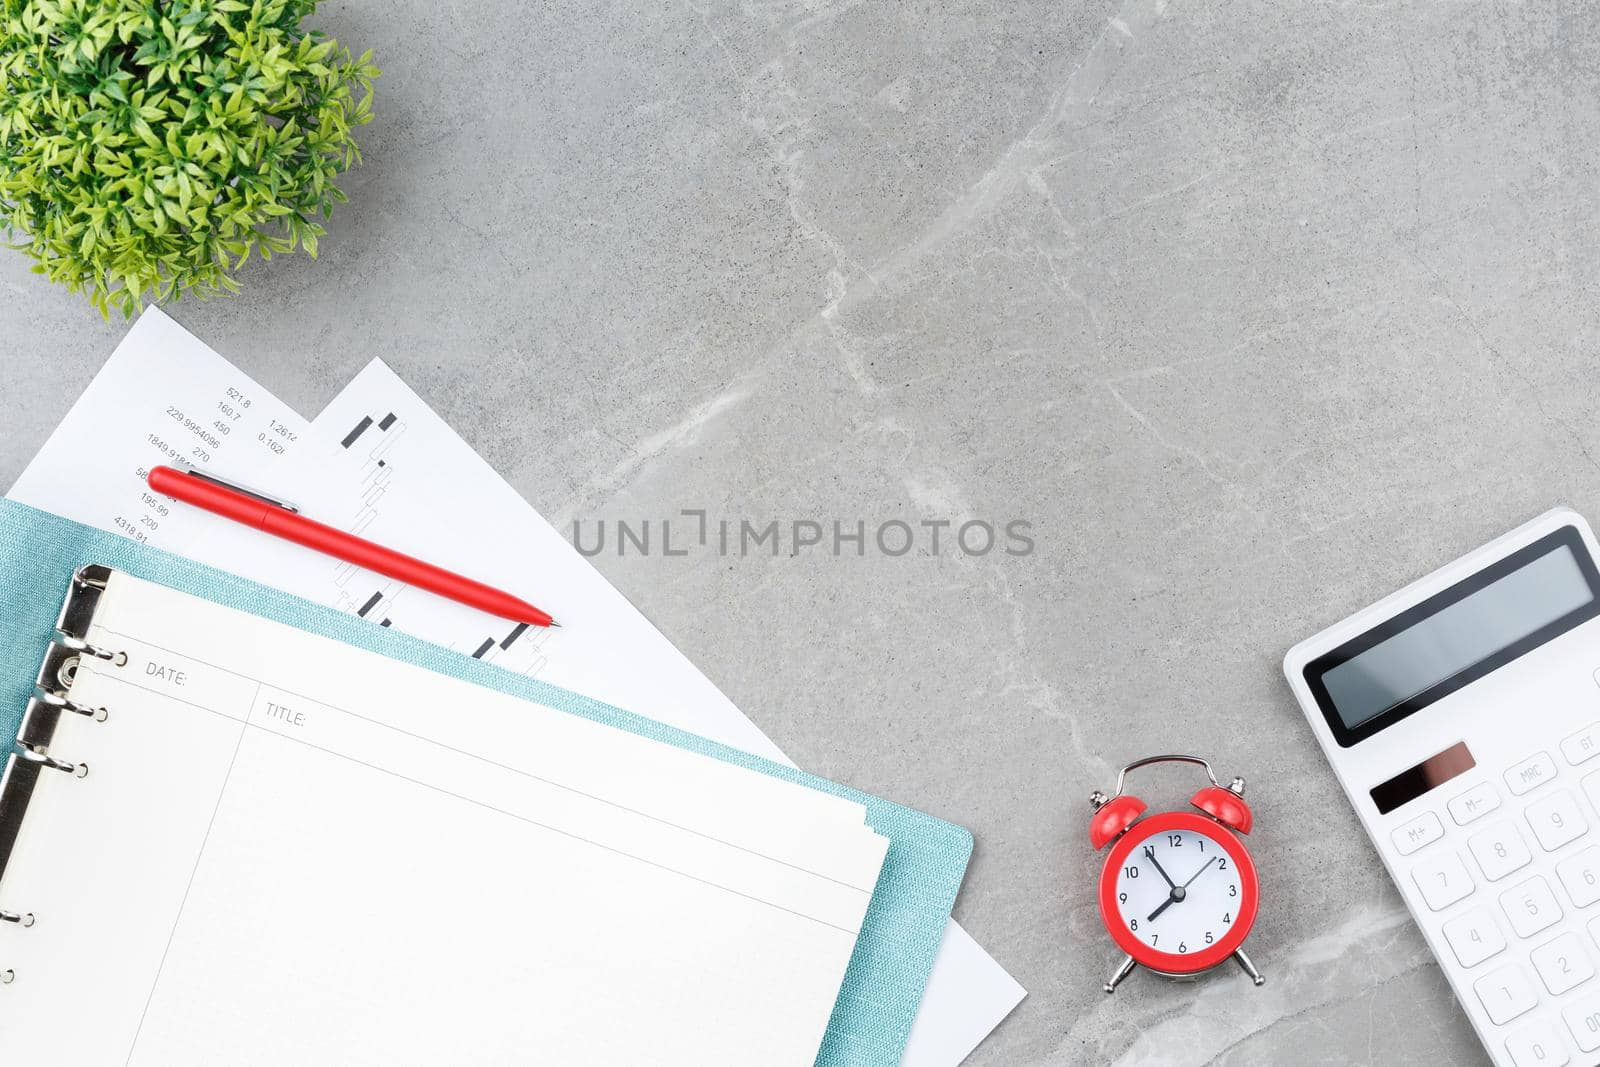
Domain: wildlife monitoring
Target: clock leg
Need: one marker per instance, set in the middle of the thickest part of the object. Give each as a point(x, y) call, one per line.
point(1122, 971)
point(1249, 968)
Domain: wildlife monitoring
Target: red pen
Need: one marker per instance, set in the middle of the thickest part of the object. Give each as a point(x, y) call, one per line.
point(283, 520)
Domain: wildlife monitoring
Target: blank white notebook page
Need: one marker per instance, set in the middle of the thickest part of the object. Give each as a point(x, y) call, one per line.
point(288, 850)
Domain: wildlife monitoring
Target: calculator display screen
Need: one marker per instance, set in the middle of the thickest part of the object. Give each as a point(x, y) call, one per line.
point(1481, 623)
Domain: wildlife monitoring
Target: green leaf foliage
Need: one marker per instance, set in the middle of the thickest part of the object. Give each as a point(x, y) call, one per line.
point(149, 147)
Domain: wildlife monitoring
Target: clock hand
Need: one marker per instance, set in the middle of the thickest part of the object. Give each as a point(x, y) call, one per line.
point(1150, 854)
point(1175, 892)
point(1180, 891)
point(1177, 895)
point(1201, 871)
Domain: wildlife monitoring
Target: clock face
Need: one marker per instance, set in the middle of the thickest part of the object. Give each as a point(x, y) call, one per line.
point(1179, 891)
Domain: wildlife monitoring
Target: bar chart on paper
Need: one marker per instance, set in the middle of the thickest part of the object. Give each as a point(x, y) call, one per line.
point(411, 483)
point(377, 445)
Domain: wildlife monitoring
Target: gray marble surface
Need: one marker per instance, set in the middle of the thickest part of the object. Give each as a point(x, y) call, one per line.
point(1255, 310)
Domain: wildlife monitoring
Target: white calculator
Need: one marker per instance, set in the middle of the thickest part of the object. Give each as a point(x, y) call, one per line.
point(1462, 717)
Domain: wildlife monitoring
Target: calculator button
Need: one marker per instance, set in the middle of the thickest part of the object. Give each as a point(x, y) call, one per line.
point(1443, 880)
point(1557, 820)
point(1583, 1019)
point(1531, 773)
point(1506, 993)
point(1473, 937)
point(1563, 964)
point(1531, 906)
point(1537, 1046)
point(1425, 829)
point(1499, 850)
point(1476, 802)
point(1580, 875)
point(1583, 745)
point(1591, 788)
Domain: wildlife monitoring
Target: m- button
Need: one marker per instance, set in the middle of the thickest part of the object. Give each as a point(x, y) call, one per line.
point(1478, 801)
point(1530, 773)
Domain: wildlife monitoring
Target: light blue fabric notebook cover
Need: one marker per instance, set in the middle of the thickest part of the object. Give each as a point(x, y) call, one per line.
point(927, 857)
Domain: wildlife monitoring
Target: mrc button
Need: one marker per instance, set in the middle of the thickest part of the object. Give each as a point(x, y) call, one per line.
point(1531, 773)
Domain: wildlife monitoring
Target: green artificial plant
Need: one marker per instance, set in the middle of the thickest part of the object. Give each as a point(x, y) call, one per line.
point(148, 147)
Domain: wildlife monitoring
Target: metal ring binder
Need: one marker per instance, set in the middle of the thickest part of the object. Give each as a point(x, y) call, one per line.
point(93, 575)
point(77, 770)
point(78, 644)
point(30, 753)
point(57, 698)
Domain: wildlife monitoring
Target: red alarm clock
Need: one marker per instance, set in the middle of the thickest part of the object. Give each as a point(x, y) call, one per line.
point(1178, 891)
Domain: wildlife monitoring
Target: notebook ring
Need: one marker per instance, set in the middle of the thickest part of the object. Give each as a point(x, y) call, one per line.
point(77, 644)
point(25, 919)
point(57, 699)
point(33, 755)
point(82, 576)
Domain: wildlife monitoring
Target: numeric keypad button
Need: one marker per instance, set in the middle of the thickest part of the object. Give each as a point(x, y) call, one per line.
point(1580, 876)
point(1537, 1045)
point(1557, 820)
point(1582, 1017)
point(1505, 993)
point(1499, 850)
point(1563, 964)
point(1443, 880)
point(1591, 788)
point(1474, 937)
point(1531, 907)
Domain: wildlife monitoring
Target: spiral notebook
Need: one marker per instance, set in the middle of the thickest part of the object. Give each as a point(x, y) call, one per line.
point(244, 837)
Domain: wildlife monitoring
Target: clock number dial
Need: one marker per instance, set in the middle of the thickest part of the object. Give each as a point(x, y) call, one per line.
point(1176, 890)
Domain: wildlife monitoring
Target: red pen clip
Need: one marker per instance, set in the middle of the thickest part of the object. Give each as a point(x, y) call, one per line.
point(266, 498)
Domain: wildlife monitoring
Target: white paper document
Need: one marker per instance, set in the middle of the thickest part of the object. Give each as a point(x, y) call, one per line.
point(968, 992)
point(163, 398)
point(423, 490)
point(284, 853)
point(379, 462)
